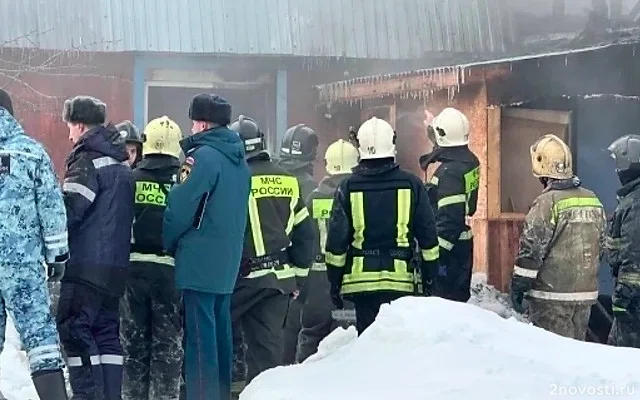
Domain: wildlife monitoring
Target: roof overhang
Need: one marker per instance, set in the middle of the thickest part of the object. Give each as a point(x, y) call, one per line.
point(423, 83)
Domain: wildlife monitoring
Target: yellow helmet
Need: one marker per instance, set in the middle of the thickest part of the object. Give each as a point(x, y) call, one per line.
point(341, 156)
point(162, 136)
point(551, 158)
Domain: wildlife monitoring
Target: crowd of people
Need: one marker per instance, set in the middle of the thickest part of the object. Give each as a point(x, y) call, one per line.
point(190, 264)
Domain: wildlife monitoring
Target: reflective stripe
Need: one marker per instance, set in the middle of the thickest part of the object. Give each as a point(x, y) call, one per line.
point(105, 161)
point(358, 280)
point(153, 258)
point(72, 187)
point(431, 254)
point(300, 216)
point(434, 180)
point(357, 216)
point(283, 272)
point(617, 309)
point(111, 359)
point(292, 215)
point(318, 267)
point(300, 272)
point(337, 260)
point(629, 277)
point(42, 353)
point(573, 202)
point(450, 200)
point(527, 273)
point(466, 235)
point(578, 296)
point(445, 244)
point(613, 243)
point(322, 228)
point(403, 216)
point(57, 241)
point(77, 361)
point(57, 237)
point(256, 228)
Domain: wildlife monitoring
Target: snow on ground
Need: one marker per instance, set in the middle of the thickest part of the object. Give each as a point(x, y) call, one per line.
point(15, 381)
point(430, 348)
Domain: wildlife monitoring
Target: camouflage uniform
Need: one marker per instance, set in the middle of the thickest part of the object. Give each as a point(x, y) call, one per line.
point(557, 264)
point(623, 242)
point(32, 231)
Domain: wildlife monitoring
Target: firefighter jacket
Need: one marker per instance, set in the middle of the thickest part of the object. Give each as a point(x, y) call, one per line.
point(377, 215)
point(454, 194)
point(155, 175)
point(623, 247)
point(279, 237)
point(560, 244)
point(98, 195)
point(303, 173)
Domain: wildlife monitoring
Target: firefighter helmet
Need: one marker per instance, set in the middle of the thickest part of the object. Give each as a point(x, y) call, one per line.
point(129, 132)
point(626, 152)
point(162, 136)
point(376, 139)
point(250, 133)
point(450, 128)
point(340, 157)
point(551, 158)
point(299, 143)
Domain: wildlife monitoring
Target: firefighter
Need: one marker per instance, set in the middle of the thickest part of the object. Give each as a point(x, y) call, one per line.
point(557, 263)
point(132, 138)
point(279, 239)
point(317, 322)
point(151, 318)
point(298, 152)
point(623, 242)
point(369, 253)
point(453, 190)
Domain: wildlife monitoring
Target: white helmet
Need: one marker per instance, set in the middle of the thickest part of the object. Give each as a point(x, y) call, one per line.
point(376, 139)
point(450, 128)
point(341, 156)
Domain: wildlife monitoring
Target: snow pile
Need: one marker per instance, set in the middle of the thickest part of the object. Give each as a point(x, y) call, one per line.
point(14, 369)
point(490, 298)
point(430, 348)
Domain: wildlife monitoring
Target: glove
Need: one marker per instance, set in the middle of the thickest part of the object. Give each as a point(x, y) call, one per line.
point(336, 298)
point(519, 286)
point(55, 271)
point(622, 298)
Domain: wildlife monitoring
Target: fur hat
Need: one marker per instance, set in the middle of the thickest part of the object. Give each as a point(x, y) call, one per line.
point(210, 108)
point(84, 110)
point(5, 101)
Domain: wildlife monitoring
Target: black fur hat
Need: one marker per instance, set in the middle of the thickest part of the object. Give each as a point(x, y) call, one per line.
point(5, 101)
point(84, 110)
point(210, 108)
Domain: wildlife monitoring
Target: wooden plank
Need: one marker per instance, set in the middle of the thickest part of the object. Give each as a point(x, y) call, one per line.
point(493, 161)
point(549, 116)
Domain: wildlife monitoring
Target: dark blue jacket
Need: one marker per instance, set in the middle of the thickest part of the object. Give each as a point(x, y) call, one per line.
point(98, 195)
point(206, 214)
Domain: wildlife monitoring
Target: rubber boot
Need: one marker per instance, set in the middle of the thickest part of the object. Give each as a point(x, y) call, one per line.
point(50, 385)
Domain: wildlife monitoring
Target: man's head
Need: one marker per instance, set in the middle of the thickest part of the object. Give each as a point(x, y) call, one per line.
point(132, 137)
point(5, 101)
point(81, 114)
point(209, 111)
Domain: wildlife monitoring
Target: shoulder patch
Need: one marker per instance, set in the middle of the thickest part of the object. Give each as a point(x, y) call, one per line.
point(5, 164)
point(189, 160)
point(185, 171)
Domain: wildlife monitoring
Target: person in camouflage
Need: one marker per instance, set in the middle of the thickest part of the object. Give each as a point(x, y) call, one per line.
point(623, 244)
point(151, 306)
point(557, 263)
point(33, 231)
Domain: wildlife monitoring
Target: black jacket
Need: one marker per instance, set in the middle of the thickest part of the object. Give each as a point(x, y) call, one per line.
point(378, 215)
point(278, 226)
point(98, 195)
point(454, 192)
point(154, 176)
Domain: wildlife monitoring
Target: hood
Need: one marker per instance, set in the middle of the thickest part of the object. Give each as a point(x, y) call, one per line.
point(441, 154)
point(295, 166)
point(158, 162)
point(375, 166)
point(105, 140)
point(9, 126)
point(220, 138)
point(329, 184)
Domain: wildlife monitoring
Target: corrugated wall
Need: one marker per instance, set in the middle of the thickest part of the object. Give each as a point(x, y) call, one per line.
point(38, 95)
point(376, 29)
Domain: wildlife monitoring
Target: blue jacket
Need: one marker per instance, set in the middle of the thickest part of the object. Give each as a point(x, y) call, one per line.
point(99, 195)
point(206, 212)
point(33, 226)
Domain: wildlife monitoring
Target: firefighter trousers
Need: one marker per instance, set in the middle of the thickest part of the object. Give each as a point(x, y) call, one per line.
point(261, 313)
point(292, 328)
point(563, 318)
point(151, 333)
point(368, 305)
point(456, 284)
point(89, 324)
